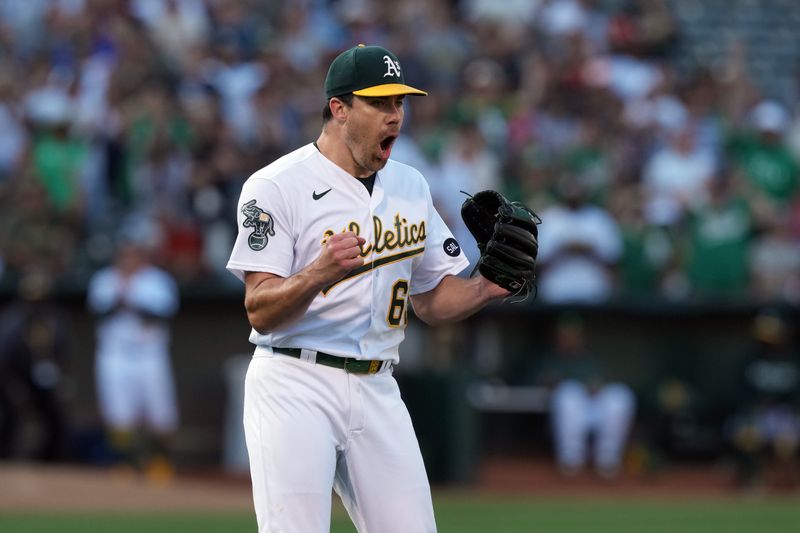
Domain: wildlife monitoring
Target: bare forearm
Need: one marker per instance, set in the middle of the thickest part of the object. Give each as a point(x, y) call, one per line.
point(272, 301)
point(455, 299)
point(277, 301)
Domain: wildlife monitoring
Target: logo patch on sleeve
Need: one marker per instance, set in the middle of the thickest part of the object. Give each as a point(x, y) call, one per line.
point(262, 223)
point(451, 247)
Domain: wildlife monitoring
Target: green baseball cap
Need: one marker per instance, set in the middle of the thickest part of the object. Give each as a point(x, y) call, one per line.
point(367, 71)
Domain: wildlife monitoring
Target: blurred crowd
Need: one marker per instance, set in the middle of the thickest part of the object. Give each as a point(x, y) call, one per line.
point(146, 116)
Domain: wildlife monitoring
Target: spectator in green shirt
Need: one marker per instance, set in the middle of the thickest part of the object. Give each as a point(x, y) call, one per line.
point(765, 160)
point(718, 239)
point(59, 160)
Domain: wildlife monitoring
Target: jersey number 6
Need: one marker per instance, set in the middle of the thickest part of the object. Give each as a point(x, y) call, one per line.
point(397, 306)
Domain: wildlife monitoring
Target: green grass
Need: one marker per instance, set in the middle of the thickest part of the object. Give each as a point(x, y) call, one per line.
point(472, 514)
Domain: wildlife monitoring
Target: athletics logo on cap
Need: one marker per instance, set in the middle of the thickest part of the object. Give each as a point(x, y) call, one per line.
point(363, 70)
point(392, 67)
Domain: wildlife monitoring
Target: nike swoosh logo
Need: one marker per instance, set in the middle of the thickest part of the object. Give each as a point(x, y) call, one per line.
point(316, 196)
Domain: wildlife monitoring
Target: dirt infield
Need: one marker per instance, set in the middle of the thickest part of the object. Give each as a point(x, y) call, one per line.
point(541, 478)
point(26, 487)
point(30, 487)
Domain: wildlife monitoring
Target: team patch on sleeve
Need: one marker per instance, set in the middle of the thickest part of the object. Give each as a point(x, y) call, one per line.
point(451, 247)
point(262, 223)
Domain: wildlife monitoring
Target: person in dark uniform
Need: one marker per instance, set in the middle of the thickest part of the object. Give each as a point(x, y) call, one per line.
point(34, 345)
point(764, 430)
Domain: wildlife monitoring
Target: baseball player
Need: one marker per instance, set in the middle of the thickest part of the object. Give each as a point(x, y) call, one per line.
point(335, 241)
point(133, 301)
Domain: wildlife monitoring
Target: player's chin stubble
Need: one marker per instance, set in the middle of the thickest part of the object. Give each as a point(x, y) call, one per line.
point(367, 161)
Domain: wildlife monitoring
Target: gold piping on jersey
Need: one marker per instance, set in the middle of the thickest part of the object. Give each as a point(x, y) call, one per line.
point(377, 263)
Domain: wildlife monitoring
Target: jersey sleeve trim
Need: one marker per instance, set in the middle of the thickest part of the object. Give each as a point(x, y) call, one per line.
point(453, 271)
point(238, 270)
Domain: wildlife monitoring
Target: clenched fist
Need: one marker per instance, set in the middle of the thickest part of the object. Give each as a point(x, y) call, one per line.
point(341, 253)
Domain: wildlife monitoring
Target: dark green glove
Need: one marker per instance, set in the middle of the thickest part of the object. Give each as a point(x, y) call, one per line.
point(507, 238)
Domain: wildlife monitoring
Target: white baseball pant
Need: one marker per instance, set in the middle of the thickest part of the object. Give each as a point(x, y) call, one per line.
point(577, 414)
point(310, 428)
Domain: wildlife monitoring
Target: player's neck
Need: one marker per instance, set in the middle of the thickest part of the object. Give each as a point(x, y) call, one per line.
point(334, 149)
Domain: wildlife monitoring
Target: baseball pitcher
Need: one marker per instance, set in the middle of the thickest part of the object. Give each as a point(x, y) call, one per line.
point(335, 241)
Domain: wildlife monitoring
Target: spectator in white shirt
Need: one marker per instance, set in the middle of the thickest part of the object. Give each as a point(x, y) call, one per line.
point(579, 244)
point(676, 178)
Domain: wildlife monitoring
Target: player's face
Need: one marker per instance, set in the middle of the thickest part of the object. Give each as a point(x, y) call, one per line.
point(130, 258)
point(372, 126)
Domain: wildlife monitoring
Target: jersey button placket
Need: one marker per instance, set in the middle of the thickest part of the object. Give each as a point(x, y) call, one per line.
point(365, 345)
point(377, 206)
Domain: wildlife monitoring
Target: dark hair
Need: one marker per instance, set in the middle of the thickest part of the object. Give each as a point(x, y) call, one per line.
point(347, 99)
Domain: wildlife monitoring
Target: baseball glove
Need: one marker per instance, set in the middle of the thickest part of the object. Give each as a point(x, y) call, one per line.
point(507, 240)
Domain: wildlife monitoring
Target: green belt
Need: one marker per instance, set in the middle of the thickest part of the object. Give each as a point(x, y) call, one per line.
point(348, 364)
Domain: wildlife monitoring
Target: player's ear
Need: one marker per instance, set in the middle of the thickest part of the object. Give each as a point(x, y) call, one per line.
point(338, 108)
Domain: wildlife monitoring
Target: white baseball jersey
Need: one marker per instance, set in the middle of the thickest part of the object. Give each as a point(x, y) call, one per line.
point(133, 371)
point(288, 209)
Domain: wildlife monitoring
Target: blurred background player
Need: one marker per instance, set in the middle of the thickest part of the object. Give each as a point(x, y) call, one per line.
point(34, 384)
point(588, 413)
point(765, 429)
point(133, 301)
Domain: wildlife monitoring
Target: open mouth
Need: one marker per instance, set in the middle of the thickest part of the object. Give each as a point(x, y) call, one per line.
point(386, 146)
